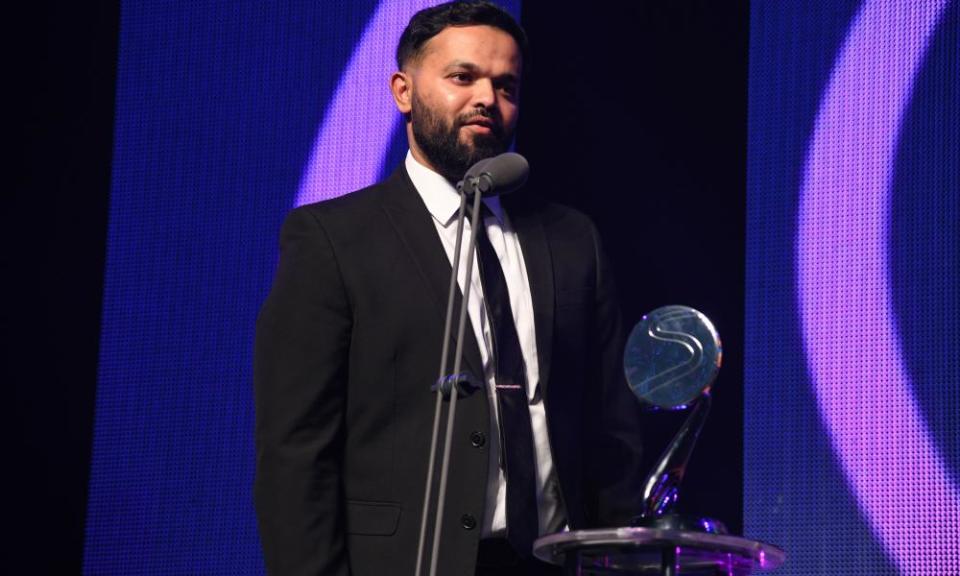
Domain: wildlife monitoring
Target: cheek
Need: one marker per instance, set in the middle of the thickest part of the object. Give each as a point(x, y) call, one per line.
point(452, 100)
point(510, 113)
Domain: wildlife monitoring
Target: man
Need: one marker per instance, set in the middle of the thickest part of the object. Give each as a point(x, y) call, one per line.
point(349, 343)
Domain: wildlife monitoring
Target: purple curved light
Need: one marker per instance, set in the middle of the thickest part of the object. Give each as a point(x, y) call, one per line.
point(850, 332)
point(355, 134)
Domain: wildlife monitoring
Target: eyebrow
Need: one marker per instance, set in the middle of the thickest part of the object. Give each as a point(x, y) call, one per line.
point(470, 66)
point(461, 64)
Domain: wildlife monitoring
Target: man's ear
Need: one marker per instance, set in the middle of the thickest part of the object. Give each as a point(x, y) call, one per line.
point(401, 88)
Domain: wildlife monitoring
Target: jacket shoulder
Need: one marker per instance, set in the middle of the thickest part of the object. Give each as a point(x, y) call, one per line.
point(559, 213)
point(361, 209)
point(556, 218)
point(352, 203)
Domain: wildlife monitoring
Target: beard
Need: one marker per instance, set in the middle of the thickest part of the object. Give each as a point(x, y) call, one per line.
point(441, 143)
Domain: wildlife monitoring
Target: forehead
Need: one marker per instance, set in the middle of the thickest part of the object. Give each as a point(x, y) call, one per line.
point(484, 46)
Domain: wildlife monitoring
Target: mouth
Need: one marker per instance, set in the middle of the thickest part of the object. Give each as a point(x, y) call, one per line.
point(480, 123)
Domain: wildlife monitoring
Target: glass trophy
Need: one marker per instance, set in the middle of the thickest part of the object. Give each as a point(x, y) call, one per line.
point(671, 360)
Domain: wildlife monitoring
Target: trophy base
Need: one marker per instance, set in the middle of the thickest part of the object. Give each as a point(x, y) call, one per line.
point(643, 551)
point(681, 522)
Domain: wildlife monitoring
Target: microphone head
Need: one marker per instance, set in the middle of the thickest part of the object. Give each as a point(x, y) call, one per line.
point(474, 172)
point(470, 180)
point(497, 175)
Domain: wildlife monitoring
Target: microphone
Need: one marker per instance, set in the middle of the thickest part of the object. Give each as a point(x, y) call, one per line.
point(495, 176)
point(488, 177)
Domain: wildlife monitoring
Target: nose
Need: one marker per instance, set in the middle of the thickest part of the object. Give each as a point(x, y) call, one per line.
point(484, 94)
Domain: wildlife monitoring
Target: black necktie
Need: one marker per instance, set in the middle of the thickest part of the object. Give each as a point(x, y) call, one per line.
point(516, 431)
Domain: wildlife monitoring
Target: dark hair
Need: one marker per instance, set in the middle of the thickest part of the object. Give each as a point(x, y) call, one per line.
point(429, 22)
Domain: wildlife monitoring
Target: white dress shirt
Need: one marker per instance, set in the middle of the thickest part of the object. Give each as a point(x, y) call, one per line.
point(443, 202)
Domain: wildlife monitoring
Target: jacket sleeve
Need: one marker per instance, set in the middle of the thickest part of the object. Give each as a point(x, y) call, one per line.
point(300, 376)
point(618, 458)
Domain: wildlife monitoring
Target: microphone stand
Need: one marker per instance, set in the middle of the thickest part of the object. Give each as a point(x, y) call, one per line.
point(449, 385)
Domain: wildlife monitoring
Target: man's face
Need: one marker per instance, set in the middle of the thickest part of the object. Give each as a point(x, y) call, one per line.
point(463, 98)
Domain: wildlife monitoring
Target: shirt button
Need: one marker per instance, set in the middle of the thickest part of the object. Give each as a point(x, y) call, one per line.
point(478, 439)
point(468, 522)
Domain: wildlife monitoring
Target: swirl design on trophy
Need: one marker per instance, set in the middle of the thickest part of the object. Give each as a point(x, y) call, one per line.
point(672, 357)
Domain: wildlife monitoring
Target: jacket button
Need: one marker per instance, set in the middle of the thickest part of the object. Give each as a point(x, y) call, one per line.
point(478, 439)
point(468, 522)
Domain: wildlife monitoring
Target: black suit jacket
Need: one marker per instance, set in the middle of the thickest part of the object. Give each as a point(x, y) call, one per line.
point(348, 344)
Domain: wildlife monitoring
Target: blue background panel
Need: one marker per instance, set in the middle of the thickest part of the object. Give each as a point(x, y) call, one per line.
point(217, 108)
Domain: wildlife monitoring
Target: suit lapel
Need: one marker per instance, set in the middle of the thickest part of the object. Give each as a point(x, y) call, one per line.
point(536, 255)
point(414, 225)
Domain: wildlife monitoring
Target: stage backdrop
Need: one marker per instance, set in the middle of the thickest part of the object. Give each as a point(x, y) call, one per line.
point(228, 115)
point(852, 408)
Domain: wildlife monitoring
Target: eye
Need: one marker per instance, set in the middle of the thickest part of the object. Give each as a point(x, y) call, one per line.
point(461, 77)
point(508, 89)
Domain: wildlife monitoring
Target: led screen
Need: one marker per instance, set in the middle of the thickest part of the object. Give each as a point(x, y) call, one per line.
point(852, 407)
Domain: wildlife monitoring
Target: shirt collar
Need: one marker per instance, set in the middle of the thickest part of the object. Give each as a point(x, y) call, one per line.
point(439, 195)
